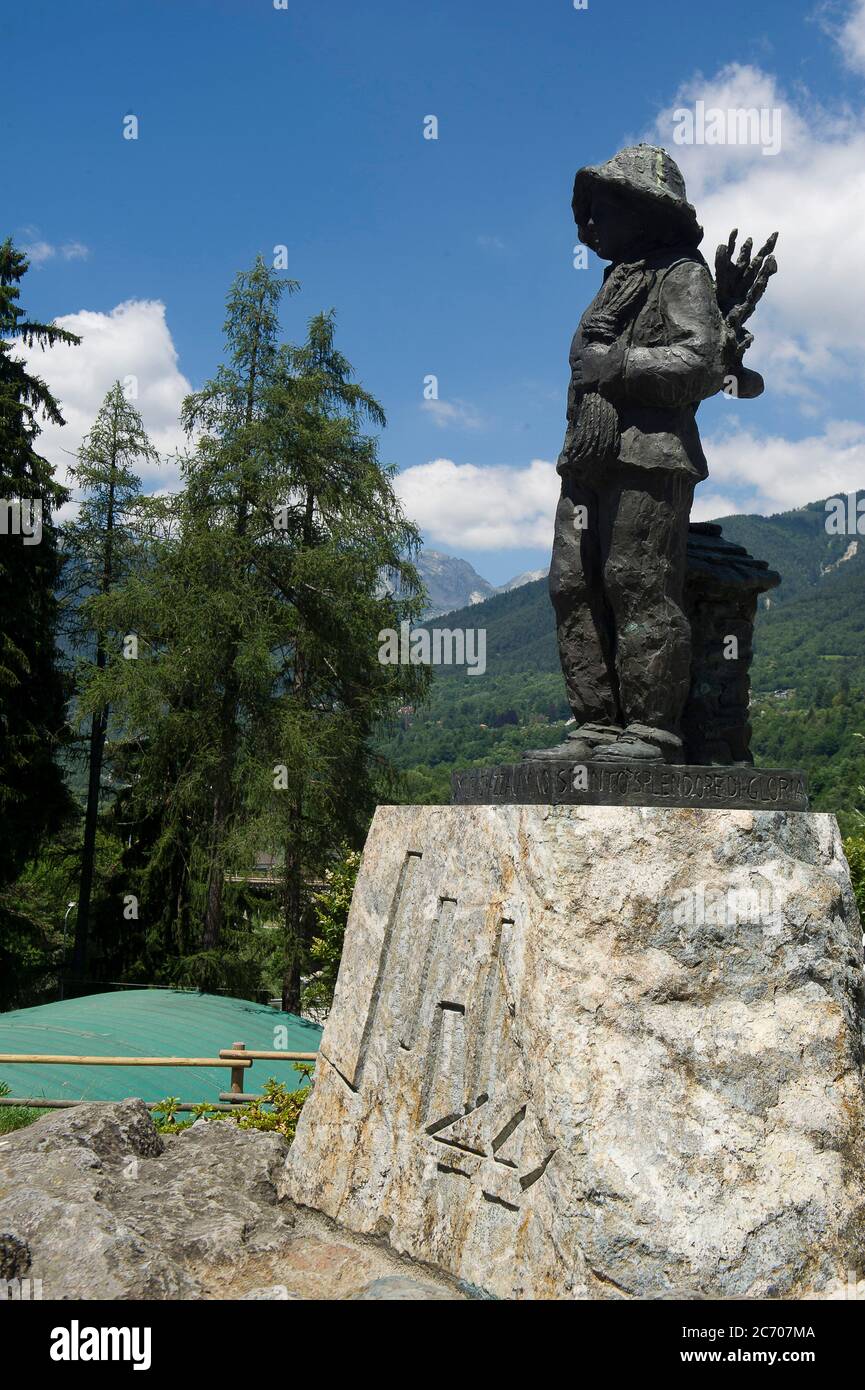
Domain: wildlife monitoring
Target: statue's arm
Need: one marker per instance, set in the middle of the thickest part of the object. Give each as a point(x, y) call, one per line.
point(575, 391)
point(690, 367)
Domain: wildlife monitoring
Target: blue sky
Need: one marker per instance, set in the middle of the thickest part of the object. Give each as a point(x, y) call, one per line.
point(452, 257)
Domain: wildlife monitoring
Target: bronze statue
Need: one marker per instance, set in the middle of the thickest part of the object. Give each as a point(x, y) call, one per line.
point(659, 337)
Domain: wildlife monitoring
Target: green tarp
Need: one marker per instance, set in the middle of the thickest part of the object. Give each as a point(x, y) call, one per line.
point(148, 1023)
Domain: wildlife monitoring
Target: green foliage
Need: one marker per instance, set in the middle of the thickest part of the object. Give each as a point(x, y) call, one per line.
point(244, 725)
point(278, 1110)
point(31, 923)
point(165, 1115)
point(854, 848)
point(103, 542)
point(41, 931)
point(284, 1107)
point(822, 739)
point(473, 720)
point(330, 906)
point(14, 1117)
point(33, 797)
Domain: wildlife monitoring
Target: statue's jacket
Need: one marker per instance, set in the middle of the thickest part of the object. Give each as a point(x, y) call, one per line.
point(668, 356)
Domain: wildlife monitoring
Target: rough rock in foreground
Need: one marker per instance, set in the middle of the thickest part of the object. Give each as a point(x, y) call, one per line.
point(96, 1204)
point(598, 1052)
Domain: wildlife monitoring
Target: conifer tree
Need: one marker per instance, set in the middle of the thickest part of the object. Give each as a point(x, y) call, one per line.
point(33, 797)
point(99, 547)
point(343, 530)
point(249, 711)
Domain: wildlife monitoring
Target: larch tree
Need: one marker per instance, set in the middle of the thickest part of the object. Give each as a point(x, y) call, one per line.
point(341, 534)
point(100, 546)
point(258, 683)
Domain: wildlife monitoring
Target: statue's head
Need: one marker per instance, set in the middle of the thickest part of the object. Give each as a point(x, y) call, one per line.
point(634, 204)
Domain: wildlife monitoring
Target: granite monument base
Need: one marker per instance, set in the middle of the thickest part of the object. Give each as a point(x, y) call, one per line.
point(598, 1052)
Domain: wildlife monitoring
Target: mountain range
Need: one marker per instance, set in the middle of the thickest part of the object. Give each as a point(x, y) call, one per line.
point(452, 583)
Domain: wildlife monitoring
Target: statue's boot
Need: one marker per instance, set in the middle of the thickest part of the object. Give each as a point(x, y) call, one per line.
point(641, 743)
point(579, 746)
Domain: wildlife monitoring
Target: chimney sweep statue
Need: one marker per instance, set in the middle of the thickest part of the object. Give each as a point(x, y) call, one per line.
point(659, 337)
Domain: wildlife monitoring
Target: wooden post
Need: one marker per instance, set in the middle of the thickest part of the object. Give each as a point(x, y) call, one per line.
point(237, 1072)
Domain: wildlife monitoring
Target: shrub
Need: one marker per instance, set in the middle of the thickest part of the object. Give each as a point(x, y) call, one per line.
point(278, 1110)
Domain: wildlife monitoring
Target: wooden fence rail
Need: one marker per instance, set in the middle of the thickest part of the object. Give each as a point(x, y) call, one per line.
point(52, 1060)
point(236, 1057)
point(40, 1103)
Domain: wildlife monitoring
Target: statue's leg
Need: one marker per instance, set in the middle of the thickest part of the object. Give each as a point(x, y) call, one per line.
point(583, 618)
point(644, 575)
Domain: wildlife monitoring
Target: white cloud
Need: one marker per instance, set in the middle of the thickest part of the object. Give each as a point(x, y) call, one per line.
point(453, 415)
point(490, 508)
point(39, 251)
point(463, 506)
point(810, 328)
point(709, 505)
point(772, 474)
point(466, 507)
point(133, 340)
point(851, 37)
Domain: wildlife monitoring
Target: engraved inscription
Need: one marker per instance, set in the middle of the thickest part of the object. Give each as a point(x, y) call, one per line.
point(488, 1140)
point(637, 784)
point(415, 997)
point(350, 1059)
point(506, 1163)
point(442, 1093)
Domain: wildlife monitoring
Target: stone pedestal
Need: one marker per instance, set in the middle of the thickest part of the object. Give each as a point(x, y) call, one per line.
point(723, 584)
point(596, 1051)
